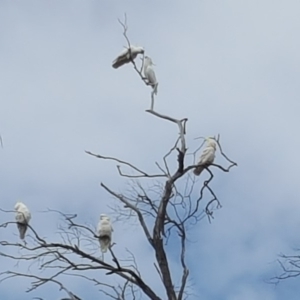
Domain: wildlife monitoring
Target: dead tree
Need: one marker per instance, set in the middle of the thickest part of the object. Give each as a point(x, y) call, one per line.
point(289, 268)
point(173, 201)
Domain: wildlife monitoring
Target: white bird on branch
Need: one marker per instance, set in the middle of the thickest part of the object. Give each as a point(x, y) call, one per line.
point(127, 55)
point(150, 74)
point(22, 217)
point(207, 157)
point(104, 231)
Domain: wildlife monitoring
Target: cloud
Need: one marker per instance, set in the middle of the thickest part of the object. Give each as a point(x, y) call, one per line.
point(231, 67)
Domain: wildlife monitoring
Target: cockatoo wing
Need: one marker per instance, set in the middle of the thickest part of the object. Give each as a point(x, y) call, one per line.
point(104, 233)
point(150, 75)
point(207, 157)
point(198, 170)
point(22, 217)
point(22, 230)
point(124, 57)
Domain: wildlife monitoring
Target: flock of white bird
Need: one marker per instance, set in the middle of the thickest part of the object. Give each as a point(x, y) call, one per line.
point(129, 55)
point(104, 228)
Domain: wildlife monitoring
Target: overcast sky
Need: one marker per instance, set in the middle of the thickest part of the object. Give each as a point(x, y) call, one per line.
point(230, 67)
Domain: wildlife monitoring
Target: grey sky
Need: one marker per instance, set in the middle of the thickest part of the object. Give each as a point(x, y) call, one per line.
point(231, 67)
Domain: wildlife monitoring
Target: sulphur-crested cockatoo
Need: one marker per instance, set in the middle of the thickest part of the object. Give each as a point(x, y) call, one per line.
point(150, 74)
point(126, 56)
point(104, 231)
point(22, 217)
point(207, 157)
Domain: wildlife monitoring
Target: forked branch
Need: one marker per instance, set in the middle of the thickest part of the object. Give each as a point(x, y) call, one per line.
point(141, 173)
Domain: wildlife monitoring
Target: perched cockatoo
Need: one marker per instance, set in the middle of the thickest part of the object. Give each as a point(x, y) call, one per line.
point(124, 56)
point(150, 74)
point(207, 157)
point(104, 231)
point(22, 217)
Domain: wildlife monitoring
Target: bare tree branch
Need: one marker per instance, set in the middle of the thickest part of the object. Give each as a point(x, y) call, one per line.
point(142, 173)
point(174, 202)
point(39, 281)
point(140, 216)
point(64, 253)
point(290, 266)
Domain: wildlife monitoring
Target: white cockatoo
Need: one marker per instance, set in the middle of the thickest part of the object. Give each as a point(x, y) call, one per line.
point(104, 231)
point(150, 74)
point(22, 217)
point(207, 157)
point(124, 57)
